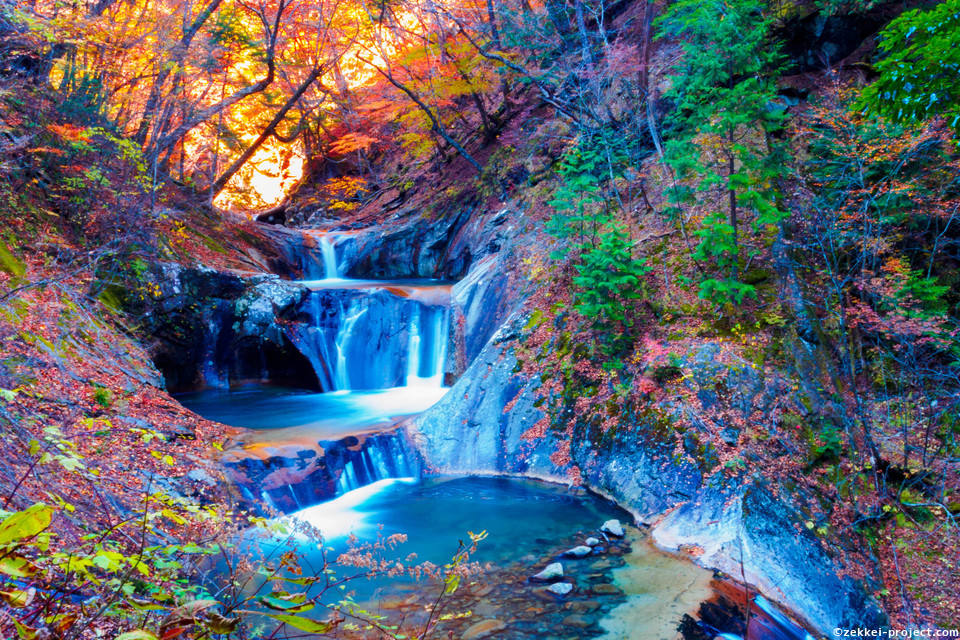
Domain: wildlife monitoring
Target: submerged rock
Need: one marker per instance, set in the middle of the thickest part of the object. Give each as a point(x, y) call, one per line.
point(578, 552)
point(606, 589)
point(578, 621)
point(553, 571)
point(582, 606)
point(483, 629)
point(613, 528)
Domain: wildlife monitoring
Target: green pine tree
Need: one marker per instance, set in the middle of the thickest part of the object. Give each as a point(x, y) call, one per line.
point(720, 133)
point(601, 248)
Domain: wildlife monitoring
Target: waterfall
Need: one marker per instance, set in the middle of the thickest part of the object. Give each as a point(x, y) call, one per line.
point(379, 463)
point(427, 347)
point(328, 250)
point(372, 338)
point(438, 354)
point(353, 313)
point(351, 477)
point(380, 457)
point(212, 371)
point(413, 348)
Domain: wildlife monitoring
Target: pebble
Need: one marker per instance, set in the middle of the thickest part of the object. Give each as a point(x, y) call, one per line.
point(482, 629)
point(552, 572)
point(591, 541)
point(542, 594)
point(578, 552)
point(613, 528)
point(560, 588)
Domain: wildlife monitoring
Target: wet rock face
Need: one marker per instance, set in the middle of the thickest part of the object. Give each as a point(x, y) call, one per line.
point(469, 428)
point(640, 472)
point(482, 302)
point(754, 524)
point(414, 244)
point(479, 426)
point(403, 249)
point(214, 329)
point(820, 41)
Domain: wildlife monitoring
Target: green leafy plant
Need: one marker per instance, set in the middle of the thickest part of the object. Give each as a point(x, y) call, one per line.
point(103, 396)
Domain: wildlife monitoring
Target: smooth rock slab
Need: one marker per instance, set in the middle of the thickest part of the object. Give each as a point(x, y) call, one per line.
point(552, 572)
point(483, 629)
point(578, 552)
point(613, 528)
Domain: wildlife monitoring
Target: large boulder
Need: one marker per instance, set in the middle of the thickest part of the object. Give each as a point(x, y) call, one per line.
point(214, 328)
point(478, 426)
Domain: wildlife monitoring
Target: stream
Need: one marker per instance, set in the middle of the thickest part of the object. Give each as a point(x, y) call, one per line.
point(340, 461)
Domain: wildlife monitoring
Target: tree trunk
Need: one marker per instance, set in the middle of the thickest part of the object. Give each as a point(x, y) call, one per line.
point(180, 53)
point(491, 18)
point(585, 49)
point(561, 21)
point(435, 125)
point(221, 182)
point(732, 197)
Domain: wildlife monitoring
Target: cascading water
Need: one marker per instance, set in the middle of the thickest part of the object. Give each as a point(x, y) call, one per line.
point(373, 336)
point(328, 250)
point(413, 349)
point(378, 349)
point(427, 347)
point(353, 313)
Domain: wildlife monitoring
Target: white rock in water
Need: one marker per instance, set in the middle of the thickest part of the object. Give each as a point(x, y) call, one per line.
point(560, 588)
point(591, 541)
point(613, 528)
point(551, 572)
point(578, 552)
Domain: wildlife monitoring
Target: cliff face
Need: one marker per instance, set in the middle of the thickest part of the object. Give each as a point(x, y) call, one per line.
point(212, 328)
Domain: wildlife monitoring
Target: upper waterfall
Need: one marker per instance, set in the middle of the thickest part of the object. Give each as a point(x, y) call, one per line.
point(369, 334)
point(328, 250)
